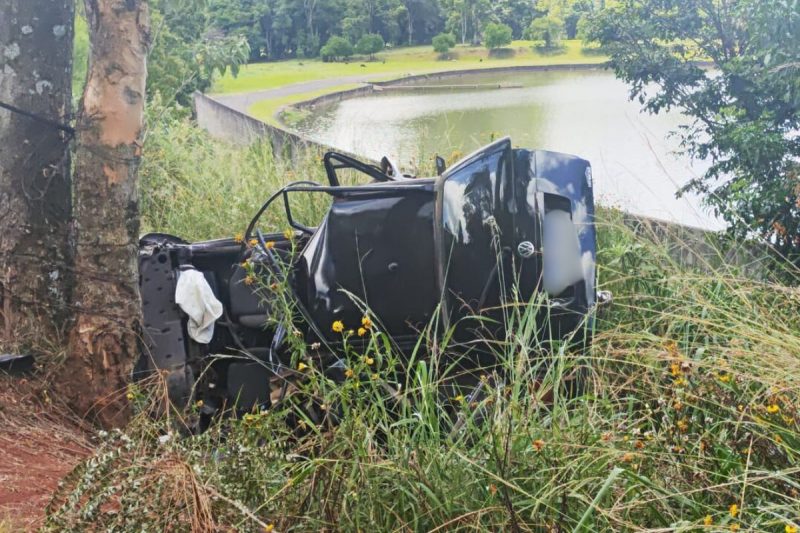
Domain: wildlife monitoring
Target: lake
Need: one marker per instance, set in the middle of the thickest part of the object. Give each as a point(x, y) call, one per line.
point(635, 160)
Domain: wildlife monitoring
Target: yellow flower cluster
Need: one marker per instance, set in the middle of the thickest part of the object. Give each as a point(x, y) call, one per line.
point(366, 325)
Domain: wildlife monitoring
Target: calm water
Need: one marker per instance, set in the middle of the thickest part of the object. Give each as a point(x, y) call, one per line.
point(586, 113)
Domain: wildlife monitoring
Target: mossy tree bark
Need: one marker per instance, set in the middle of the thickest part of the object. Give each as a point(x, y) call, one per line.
point(35, 187)
point(105, 337)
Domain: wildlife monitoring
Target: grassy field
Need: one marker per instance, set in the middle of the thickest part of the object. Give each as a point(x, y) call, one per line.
point(688, 421)
point(268, 110)
point(396, 63)
point(388, 65)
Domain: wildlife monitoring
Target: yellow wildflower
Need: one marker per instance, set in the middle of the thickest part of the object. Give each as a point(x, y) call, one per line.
point(790, 528)
point(733, 510)
point(369, 360)
point(253, 242)
point(366, 322)
point(130, 396)
point(270, 245)
point(199, 404)
point(362, 332)
point(338, 326)
point(683, 425)
point(735, 527)
point(302, 366)
point(250, 279)
point(773, 408)
point(238, 238)
point(538, 445)
point(349, 373)
point(269, 528)
point(459, 398)
point(288, 234)
point(675, 368)
point(707, 521)
point(725, 378)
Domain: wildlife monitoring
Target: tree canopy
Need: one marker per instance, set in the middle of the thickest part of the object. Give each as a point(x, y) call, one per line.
point(337, 48)
point(497, 35)
point(744, 111)
point(548, 30)
point(443, 42)
point(278, 29)
point(370, 44)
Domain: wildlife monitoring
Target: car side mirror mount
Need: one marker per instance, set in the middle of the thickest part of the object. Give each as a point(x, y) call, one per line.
point(441, 165)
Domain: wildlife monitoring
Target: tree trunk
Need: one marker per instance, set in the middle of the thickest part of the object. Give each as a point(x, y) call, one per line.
point(35, 187)
point(410, 27)
point(104, 341)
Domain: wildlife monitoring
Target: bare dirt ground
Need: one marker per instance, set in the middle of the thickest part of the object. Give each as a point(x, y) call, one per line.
point(40, 442)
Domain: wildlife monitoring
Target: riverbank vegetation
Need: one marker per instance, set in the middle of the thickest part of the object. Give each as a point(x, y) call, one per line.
point(688, 418)
point(285, 29)
point(401, 62)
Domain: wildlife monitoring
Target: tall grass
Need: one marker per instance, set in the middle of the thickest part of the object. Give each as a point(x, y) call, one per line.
point(688, 419)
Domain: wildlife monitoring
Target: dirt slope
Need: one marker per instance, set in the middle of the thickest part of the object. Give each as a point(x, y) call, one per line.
point(39, 444)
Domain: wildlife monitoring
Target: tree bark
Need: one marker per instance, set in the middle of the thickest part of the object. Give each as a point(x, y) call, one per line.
point(35, 188)
point(105, 339)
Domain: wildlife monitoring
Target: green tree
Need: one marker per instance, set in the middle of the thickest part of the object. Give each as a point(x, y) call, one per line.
point(497, 35)
point(744, 112)
point(183, 57)
point(370, 44)
point(547, 30)
point(336, 48)
point(443, 42)
point(578, 11)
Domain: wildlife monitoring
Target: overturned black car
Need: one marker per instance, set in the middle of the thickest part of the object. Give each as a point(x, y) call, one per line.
point(502, 223)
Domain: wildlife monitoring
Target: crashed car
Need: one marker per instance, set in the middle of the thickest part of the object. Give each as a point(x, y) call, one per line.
point(501, 223)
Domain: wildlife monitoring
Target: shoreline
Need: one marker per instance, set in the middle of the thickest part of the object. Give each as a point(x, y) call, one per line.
point(371, 87)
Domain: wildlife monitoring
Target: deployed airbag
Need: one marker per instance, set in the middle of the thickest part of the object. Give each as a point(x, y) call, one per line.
point(194, 296)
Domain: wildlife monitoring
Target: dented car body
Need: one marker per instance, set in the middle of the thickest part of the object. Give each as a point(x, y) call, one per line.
point(502, 224)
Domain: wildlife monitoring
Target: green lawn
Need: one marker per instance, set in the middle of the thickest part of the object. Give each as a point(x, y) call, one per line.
point(395, 63)
point(267, 110)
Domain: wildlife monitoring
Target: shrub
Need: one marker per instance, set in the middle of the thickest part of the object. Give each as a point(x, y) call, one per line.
point(497, 35)
point(548, 30)
point(370, 44)
point(443, 42)
point(336, 48)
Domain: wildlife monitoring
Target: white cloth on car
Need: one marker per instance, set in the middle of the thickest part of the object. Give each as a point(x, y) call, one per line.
point(195, 297)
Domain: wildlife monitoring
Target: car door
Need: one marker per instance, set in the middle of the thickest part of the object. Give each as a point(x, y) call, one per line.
point(475, 233)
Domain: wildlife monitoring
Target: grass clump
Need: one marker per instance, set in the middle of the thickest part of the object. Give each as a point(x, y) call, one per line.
point(688, 418)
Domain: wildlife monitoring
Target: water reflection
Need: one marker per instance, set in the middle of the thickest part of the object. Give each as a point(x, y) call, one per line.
point(586, 113)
